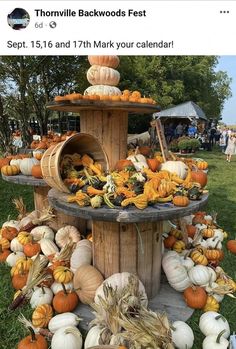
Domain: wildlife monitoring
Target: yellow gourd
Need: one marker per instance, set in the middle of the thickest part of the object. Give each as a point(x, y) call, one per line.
point(211, 304)
point(179, 246)
point(139, 201)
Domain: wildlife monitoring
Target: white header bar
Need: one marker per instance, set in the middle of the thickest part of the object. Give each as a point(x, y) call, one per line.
point(122, 28)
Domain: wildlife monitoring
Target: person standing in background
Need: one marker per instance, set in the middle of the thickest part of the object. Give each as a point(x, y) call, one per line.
point(179, 130)
point(231, 147)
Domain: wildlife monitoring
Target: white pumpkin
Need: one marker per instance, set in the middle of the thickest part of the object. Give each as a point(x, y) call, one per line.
point(119, 281)
point(177, 167)
point(67, 234)
point(42, 258)
point(212, 323)
point(16, 246)
point(201, 226)
point(41, 295)
point(182, 335)
point(62, 320)
point(101, 75)
point(219, 233)
point(199, 275)
point(176, 273)
point(214, 242)
point(187, 262)
point(48, 247)
point(27, 164)
point(93, 336)
point(213, 274)
point(81, 255)
point(139, 161)
point(102, 90)
point(28, 219)
point(56, 287)
point(215, 341)
point(13, 258)
point(68, 337)
point(15, 162)
point(41, 232)
point(12, 223)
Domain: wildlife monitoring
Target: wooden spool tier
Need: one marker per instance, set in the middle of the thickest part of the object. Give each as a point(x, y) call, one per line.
point(107, 121)
point(127, 239)
point(40, 190)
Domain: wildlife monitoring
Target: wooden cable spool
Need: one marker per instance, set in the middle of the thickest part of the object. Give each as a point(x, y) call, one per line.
point(81, 143)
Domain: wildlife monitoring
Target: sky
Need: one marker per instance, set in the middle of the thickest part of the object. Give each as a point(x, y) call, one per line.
point(228, 64)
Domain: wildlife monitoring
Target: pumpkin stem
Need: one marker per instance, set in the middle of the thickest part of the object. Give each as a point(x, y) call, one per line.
point(219, 336)
point(64, 288)
point(172, 328)
point(32, 333)
point(43, 290)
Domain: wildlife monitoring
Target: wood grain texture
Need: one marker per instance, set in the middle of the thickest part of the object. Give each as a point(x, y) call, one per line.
point(41, 198)
point(25, 180)
point(62, 219)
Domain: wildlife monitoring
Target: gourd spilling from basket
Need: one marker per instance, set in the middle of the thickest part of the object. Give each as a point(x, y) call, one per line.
point(131, 183)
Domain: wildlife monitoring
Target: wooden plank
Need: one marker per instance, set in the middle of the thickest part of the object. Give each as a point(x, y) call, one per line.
point(182, 224)
point(162, 140)
point(128, 248)
point(144, 265)
point(25, 180)
point(111, 233)
point(41, 198)
point(98, 246)
point(156, 256)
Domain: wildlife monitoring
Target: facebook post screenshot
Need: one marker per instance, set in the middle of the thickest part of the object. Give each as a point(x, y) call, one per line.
point(117, 185)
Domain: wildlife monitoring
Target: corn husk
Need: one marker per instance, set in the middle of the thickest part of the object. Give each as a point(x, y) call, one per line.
point(20, 207)
point(65, 253)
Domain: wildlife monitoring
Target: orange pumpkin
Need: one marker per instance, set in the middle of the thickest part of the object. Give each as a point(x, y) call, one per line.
point(65, 301)
point(31, 249)
point(153, 164)
point(195, 297)
point(36, 171)
point(19, 280)
point(4, 254)
point(4, 162)
point(169, 241)
point(191, 230)
point(199, 177)
point(34, 341)
point(202, 165)
point(9, 233)
point(145, 150)
point(180, 200)
point(122, 164)
point(231, 246)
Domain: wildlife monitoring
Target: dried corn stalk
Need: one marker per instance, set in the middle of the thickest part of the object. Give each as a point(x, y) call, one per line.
point(20, 207)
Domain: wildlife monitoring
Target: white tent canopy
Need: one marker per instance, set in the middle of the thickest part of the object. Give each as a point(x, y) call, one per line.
point(188, 110)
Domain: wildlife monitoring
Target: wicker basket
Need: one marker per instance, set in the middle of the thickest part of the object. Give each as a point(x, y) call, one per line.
point(81, 143)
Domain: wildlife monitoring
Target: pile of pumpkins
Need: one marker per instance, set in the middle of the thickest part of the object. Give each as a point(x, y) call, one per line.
point(191, 263)
point(50, 139)
point(104, 78)
point(22, 164)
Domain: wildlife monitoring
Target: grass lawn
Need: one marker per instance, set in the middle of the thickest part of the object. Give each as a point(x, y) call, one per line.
point(222, 199)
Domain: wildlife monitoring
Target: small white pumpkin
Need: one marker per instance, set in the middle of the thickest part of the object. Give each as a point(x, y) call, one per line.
point(67, 234)
point(13, 258)
point(12, 223)
point(212, 323)
point(182, 335)
point(56, 287)
point(48, 247)
point(213, 275)
point(214, 242)
point(219, 233)
point(93, 336)
point(41, 232)
point(177, 167)
point(68, 337)
point(139, 161)
point(199, 275)
point(16, 246)
point(27, 164)
point(187, 262)
point(215, 341)
point(101, 90)
point(41, 295)
point(62, 320)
